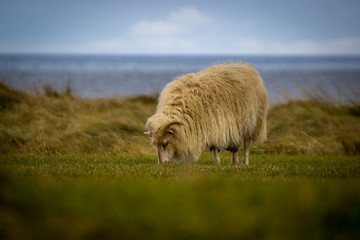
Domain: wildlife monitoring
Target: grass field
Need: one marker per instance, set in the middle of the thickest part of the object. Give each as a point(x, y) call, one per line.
point(73, 168)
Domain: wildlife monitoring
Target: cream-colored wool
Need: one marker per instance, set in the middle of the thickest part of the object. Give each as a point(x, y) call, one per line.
point(216, 108)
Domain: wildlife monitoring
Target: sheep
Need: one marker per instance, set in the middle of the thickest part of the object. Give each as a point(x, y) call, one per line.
point(218, 108)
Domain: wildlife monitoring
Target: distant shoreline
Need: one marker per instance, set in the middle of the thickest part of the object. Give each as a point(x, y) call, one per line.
point(104, 76)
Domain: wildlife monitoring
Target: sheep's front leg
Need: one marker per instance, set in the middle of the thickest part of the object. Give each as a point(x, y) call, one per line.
point(246, 151)
point(216, 156)
point(234, 156)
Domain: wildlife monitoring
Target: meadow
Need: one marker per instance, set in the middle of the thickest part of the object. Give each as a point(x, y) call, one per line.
point(74, 168)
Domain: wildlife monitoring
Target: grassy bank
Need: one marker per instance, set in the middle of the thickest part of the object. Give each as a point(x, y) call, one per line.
point(73, 168)
point(60, 124)
point(55, 124)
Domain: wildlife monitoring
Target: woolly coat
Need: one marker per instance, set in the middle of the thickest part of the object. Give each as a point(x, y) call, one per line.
point(215, 108)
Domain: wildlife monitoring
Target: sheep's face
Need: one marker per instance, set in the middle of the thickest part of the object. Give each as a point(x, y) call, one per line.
point(163, 133)
point(165, 147)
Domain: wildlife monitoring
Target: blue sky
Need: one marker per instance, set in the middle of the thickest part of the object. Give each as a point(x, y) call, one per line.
point(180, 27)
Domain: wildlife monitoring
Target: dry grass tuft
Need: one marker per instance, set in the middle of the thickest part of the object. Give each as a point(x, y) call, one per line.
point(320, 124)
point(60, 124)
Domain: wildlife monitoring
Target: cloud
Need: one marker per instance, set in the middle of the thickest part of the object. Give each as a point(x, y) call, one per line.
point(332, 46)
point(189, 16)
point(189, 30)
point(179, 31)
point(310, 47)
point(158, 28)
point(182, 31)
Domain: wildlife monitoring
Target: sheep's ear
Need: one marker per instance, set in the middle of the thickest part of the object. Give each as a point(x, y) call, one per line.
point(148, 133)
point(170, 131)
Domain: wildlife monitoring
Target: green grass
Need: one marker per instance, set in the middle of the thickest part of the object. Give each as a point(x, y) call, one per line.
point(261, 167)
point(117, 197)
point(73, 168)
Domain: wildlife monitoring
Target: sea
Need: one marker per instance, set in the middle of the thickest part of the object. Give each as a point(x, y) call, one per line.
point(105, 76)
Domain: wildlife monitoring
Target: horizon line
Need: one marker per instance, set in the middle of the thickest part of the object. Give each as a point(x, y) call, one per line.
point(188, 54)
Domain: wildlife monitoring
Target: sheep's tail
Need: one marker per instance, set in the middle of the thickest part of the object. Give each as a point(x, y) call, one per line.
point(259, 135)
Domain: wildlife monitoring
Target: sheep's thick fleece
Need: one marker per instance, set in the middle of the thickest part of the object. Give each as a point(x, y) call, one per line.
point(216, 108)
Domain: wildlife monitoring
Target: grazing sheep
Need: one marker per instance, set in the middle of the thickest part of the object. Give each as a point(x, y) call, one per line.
point(218, 108)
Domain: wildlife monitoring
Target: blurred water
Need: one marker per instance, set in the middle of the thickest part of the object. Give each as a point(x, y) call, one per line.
point(126, 75)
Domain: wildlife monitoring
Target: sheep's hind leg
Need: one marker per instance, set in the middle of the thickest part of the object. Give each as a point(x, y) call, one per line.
point(246, 151)
point(216, 156)
point(234, 156)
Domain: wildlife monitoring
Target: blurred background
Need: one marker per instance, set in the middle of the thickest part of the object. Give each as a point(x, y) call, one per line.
point(74, 161)
point(125, 48)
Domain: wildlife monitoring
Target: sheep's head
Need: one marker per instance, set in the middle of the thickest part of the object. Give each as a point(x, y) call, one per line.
point(164, 136)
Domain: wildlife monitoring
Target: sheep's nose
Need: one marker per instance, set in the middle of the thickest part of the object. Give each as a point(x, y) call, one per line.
point(164, 162)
